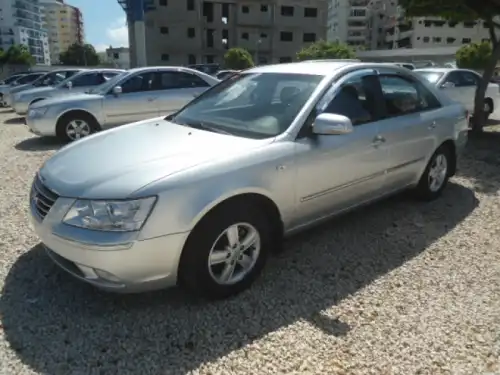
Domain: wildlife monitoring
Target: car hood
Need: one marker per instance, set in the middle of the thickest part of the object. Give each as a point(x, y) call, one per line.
point(16, 89)
point(38, 90)
point(116, 163)
point(69, 98)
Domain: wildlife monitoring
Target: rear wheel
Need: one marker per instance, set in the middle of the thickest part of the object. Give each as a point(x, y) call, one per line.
point(436, 174)
point(76, 125)
point(226, 252)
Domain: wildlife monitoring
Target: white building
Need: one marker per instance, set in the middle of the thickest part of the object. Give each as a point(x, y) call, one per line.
point(118, 57)
point(360, 23)
point(20, 23)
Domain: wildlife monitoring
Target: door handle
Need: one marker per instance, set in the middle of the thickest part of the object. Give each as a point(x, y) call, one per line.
point(378, 140)
point(432, 125)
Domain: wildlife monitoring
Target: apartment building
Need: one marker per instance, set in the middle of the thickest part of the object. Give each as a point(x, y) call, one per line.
point(360, 23)
point(434, 32)
point(20, 23)
point(64, 24)
point(181, 32)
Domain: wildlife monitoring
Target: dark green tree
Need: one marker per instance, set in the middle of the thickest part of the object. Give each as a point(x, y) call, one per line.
point(326, 50)
point(238, 59)
point(17, 54)
point(460, 11)
point(474, 55)
point(80, 55)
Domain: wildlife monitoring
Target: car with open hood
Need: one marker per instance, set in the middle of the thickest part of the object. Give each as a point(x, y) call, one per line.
point(200, 198)
point(81, 82)
point(135, 95)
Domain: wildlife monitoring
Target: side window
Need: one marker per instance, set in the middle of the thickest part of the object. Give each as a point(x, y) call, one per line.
point(403, 96)
point(138, 83)
point(454, 77)
point(91, 79)
point(109, 75)
point(469, 79)
point(354, 99)
point(177, 80)
point(70, 73)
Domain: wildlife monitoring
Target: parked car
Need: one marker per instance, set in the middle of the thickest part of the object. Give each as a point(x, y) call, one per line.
point(201, 197)
point(135, 95)
point(42, 80)
point(460, 85)
point(78, 83)
point(209, 68)
point(406, 65)
point(224, 74)
point(7, 83)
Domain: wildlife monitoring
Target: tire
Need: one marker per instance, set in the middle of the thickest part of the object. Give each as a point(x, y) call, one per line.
point(195, 272)
point(426, 189)
point(84, 121)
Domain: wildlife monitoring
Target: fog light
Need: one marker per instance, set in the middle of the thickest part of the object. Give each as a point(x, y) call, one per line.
point(107, 276)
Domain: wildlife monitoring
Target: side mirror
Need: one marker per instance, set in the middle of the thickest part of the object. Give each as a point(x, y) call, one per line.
point(331, 124)
point(447, 85)
point(117, 90)
point(69, 85)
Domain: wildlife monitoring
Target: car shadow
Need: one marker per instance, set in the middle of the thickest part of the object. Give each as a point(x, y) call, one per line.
point(39, 144)
point(58, 325)
point(14, 121)
point(6, 110)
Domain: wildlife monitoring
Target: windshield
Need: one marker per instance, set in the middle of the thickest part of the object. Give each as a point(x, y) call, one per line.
point(28, 78)
point(430, 76)
point(103, 88)
point(253, 105)
point(51, 79)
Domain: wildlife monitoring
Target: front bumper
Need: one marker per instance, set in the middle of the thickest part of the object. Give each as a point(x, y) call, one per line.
point(21, 108)
point(41, 126)
point(118, 262)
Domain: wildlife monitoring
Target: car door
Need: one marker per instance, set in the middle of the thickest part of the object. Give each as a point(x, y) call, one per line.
point(460, 87)
point(135, 103)
point(412, 117)
point(177, 88)
point(336, 172)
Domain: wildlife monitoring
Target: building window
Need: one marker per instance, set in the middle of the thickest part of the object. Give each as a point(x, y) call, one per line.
point(245, 9)
point(285, 59)
point(163, 3)
point(165, 57)
point(469, 25)
point(190, 4)
point(244, 36)
point(450, 40)
point(466, 40)
point(311, 12)
point(191, 32)
point(426, 39)
point(287, 11)
point(264, 8)
point(309, 37)
point(286, 36)
point(164, 30)
point(263, 35)
point(191, 59)
point(436, 39)
point(210, 59)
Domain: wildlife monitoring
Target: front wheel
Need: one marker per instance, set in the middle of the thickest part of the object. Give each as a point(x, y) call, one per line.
point(75, 126)
point(226, 252)
point(436, 175)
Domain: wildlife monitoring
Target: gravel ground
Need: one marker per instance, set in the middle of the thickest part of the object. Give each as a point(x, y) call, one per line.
point(397, 288)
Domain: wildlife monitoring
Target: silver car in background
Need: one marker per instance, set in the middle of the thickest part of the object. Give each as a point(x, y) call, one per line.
point(43, 80)
point(78, 83)
point(24, 81)
point(202, 197)
point(460, 85)
point(135, 95)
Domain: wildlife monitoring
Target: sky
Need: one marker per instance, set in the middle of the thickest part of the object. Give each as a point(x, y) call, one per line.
point(104, 23)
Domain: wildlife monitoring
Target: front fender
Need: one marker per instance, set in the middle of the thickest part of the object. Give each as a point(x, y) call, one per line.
point(94, 108)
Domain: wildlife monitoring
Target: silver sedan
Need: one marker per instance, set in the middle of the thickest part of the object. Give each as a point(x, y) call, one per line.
point(202, 197)
point(135, 95)
point(78, 83)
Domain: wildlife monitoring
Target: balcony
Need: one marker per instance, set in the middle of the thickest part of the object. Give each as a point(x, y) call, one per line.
point(401, 35)
point(357, 14)
point(357, 25)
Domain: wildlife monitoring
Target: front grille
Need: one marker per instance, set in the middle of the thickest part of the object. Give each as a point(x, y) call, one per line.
point(42, 198)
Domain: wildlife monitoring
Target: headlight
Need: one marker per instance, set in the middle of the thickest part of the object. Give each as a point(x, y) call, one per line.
point(38, 112)
point(114, 216)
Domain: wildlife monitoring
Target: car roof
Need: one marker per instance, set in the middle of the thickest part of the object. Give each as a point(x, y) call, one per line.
point(312, 67)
